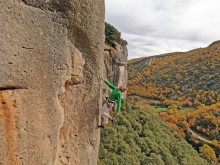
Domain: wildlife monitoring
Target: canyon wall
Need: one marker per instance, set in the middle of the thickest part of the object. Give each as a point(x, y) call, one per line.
point(51, 56)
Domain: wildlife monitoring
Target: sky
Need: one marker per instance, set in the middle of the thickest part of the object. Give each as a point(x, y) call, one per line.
point(153, 27)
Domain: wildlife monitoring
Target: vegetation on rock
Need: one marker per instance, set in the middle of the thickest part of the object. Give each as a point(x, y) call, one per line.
point(112, 35)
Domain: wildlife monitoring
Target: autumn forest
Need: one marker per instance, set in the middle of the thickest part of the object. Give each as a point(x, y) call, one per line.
point(184, 90)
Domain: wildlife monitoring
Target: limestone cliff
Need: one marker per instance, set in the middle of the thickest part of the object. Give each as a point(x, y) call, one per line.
point(51, 54)
point(115, 66)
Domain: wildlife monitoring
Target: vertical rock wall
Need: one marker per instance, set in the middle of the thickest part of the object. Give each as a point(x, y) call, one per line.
point(115, 66)
point(51, 56)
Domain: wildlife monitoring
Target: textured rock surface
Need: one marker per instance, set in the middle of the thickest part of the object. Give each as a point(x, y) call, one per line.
point(51, 57)
point(115, 66)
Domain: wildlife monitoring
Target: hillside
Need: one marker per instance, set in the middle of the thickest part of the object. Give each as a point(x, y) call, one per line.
point(184, 87)
point(181, 75)
point(139, 137)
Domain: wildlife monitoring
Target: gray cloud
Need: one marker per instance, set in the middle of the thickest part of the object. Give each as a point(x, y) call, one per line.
point(156, 26)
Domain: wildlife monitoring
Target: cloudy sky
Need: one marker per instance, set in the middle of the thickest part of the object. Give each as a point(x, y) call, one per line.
point(154, 27)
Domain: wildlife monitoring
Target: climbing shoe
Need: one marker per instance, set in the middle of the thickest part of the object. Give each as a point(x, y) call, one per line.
point(101, 126)
point(113, 121)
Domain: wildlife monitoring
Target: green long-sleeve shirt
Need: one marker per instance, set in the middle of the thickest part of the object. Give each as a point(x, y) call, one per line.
point(116, 95)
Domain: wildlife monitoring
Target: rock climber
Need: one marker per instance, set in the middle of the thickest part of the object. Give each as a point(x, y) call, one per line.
point(115, 97)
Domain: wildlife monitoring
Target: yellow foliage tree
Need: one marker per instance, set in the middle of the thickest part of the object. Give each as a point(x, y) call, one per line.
point(207, 152)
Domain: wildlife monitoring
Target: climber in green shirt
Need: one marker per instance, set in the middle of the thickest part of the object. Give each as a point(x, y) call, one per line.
point(115, 97)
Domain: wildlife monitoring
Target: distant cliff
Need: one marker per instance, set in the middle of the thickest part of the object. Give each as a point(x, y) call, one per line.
point(51, 55)
point(115, 65)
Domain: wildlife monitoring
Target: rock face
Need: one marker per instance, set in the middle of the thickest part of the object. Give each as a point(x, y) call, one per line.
point(115, 66)
point(51, 54)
